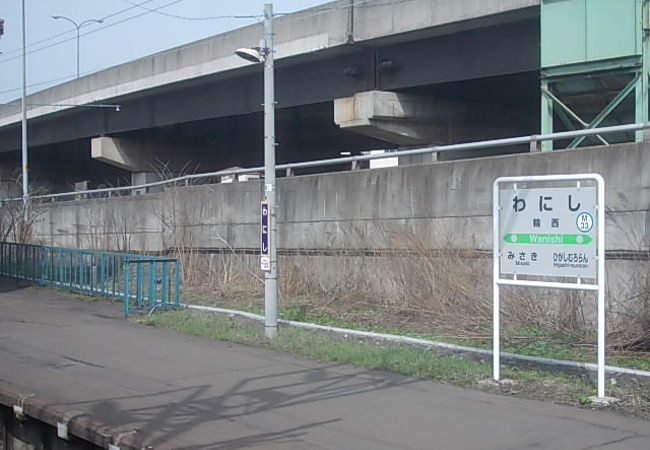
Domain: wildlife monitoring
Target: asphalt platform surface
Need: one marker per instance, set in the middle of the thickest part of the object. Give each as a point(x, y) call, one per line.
point(167, 390)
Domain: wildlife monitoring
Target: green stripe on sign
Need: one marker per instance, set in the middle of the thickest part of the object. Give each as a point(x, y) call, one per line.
point(546, 239)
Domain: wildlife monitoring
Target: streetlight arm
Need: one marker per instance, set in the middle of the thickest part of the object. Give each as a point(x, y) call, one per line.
point(78, 25)
point(68, 19)
point(86, 22)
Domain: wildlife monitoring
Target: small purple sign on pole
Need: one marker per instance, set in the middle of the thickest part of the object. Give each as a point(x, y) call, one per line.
point(265, 252)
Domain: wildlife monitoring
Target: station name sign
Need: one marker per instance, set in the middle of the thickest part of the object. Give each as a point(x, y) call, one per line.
point(549, 231)
point(265, 242)
point(552, 226)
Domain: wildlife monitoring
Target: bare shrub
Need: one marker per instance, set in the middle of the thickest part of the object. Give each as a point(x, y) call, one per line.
point(630, 324)
point(17, 218)
point(17, 221)
point(445, 289)
point(629, 289)
point(222, 274)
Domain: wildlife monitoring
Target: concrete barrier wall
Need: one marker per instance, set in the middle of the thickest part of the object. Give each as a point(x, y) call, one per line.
point(444, 203)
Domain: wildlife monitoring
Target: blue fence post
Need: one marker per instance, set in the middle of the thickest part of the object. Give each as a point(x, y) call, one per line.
point(164, 281)
point(177, 283)
point(114, 273)
point(82, 270)
point(138, 284)
point(152, 284)
point(24, 263)
point(35, 263)
point(71, 270)
point(102, 276)
point(11, 259)
point(127, 286)
point(61, 268)
point(42, 277)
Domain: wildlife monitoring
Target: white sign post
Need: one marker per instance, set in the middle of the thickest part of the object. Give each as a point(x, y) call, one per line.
point(550, 227)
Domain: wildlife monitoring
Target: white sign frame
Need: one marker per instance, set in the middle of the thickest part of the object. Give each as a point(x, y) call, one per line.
point(599, 287)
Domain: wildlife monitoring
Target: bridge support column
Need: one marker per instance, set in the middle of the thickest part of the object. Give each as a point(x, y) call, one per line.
point(138, 178)
point(408, 120)
point(148, 161)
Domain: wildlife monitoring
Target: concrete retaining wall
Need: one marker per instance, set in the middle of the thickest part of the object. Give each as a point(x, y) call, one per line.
point(443, 204)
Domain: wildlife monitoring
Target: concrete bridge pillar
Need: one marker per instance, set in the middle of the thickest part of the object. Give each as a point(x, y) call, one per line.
point(409, 120)
point(148, 161)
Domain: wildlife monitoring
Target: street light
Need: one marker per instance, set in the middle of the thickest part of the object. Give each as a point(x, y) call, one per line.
point(258, 55)
point(78, 27)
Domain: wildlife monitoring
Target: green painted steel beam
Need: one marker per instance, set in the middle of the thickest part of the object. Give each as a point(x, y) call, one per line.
point(627, 90)
point(628, 64)
point(546, 117)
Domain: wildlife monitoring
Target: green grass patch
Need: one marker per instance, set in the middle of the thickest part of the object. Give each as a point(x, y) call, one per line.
point(530, 341)
point(408, 361)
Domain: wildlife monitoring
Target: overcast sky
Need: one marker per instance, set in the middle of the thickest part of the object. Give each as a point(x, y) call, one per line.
point(127, 32)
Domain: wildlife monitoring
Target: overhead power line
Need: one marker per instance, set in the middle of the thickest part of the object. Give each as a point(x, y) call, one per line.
point(95, 30)
point(54, 36)
point(140, 5)
point(176, 16)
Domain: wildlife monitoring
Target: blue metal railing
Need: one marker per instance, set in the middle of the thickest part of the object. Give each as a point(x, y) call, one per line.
point(142, 282)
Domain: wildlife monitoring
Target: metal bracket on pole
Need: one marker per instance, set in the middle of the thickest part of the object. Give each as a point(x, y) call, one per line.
point(19, 408)
point(19, 412)
point(62, 430)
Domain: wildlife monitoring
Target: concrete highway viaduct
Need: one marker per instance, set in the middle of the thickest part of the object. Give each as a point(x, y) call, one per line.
point(405, 73)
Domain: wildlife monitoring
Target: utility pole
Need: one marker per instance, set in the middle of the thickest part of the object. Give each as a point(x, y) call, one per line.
point(270, 276)
point(268, 258)
point(24, 121)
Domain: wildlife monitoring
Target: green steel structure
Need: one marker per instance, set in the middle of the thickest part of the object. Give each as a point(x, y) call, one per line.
point(594, 65)
point(142, 282)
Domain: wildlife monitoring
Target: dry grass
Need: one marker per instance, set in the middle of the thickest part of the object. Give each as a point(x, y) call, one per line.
point(446, 291)
point(630, 326)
